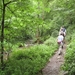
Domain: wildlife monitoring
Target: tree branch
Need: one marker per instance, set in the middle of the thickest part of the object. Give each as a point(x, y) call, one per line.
point(11, 11)
point(3, 2)
point(9, 2)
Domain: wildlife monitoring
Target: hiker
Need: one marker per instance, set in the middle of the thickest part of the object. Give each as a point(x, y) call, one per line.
point(62, 31)
point(60, 39)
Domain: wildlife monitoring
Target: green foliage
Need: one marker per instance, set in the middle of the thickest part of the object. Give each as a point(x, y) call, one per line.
point(24, 19)
point(51, 42)
point(28, 61)
point(55, 33)
point(70, 35)
point(69, 64)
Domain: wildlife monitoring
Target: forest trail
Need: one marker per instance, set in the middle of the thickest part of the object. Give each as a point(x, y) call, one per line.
point(54, 64)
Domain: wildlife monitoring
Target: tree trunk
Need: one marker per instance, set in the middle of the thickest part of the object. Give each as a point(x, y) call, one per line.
point(2, 31)
point(2, 35)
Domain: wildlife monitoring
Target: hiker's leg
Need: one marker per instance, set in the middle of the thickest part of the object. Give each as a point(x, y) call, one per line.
point(62, 44)
point(60, 49)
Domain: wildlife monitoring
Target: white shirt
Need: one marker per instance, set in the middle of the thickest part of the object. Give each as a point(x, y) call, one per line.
point(60, 38)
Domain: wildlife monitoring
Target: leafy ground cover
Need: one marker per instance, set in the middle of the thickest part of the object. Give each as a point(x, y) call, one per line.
point(69, 64)
point(30, 60)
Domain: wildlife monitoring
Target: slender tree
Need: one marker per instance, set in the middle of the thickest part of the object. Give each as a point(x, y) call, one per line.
point(4, 5)
point(2, 34)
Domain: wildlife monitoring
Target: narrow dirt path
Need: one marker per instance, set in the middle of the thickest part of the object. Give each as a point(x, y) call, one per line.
point(53, 67)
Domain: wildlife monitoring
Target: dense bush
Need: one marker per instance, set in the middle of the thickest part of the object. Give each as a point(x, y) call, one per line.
point(69, 64)
point(55, 33)
point(28, 61)
point(51, 41)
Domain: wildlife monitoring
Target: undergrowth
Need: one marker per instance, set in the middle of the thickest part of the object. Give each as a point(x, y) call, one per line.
point(29, 61)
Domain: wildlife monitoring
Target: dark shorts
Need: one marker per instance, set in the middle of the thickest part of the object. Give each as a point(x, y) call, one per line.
point(59, 42)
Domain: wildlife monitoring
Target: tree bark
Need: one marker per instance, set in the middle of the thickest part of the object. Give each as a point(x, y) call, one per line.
point(2, 35)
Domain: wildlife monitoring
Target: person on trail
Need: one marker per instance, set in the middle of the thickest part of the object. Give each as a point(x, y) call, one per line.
point(60, 39)
point(62, 31)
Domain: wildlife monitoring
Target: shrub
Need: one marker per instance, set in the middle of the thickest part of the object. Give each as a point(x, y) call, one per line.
point(28, 61)
point(69, 64)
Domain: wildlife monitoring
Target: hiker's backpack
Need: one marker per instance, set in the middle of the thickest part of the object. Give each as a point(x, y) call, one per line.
point(63, 29)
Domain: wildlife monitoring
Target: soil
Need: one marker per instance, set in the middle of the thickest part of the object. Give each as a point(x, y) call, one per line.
point(54, 64)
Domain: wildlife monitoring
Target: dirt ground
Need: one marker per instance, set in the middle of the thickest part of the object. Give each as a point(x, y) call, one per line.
point(54, 64)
